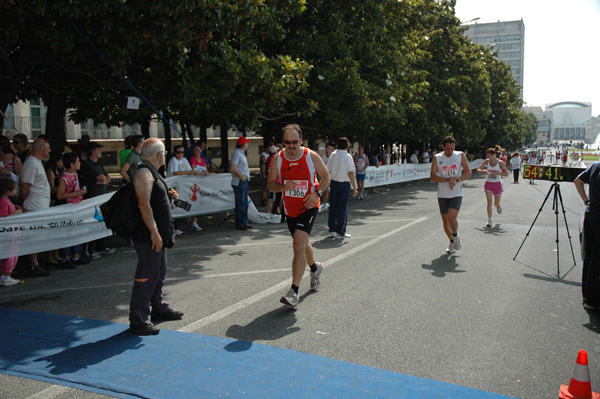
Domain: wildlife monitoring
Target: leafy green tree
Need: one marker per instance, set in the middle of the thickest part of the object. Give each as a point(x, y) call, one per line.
point(531, 128)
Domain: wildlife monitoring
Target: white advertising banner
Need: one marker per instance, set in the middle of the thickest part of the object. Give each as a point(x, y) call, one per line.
point(53, 228)
point(401, 173)
point(207, 194)
point(397, 173)
point(71, 224)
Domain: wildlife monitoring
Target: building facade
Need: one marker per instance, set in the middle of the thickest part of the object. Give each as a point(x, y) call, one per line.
point(508, 39)
point(570, 119)
point(29, 117)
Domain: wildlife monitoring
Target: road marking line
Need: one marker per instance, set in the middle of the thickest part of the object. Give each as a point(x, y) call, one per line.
point(192, 327)
point(245, 273)
point(52, 392)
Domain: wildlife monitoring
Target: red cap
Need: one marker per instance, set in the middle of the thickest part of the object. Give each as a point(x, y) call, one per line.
point(242, 140)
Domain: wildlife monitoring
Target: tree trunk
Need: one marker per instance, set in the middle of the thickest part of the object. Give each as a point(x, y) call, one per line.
point(187, 130)
point(167, 129)
point(203, 127)
point(9, 86)
point(55, 121)
point(145, 125)
point(224, 148)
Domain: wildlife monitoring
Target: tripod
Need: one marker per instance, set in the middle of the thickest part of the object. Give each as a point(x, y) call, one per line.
point(557, 197)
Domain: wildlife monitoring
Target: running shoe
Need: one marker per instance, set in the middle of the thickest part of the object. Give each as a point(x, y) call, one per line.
point(587, 306)
point(450, 249)
point(290, 299)
point(342, 236)
point(108, 251)
point(7, 281)
point(178, 232)
point(457, 243)
point(81, 260)
point(315, 280)
point(499, 209)
point(489, 223)
point(195, 227)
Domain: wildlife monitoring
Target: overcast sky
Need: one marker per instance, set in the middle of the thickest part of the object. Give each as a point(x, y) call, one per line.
point(562, 46)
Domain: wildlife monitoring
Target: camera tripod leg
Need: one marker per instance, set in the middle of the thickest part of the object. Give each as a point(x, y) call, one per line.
point(534, 220)
point(566, 224)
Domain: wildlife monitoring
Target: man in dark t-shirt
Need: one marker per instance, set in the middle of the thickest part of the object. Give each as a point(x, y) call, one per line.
point(95, 179)
point(590, 284)
point(154, 234)
point(93, 175)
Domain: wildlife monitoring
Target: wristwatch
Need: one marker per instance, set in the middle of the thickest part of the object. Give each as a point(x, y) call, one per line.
point(586, 201)
point(319, 193)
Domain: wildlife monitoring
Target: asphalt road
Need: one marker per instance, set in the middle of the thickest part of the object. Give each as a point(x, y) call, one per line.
point(391, 298)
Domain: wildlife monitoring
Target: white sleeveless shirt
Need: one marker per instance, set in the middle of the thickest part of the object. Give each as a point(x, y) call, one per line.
point(495, 168)
point(449, 167)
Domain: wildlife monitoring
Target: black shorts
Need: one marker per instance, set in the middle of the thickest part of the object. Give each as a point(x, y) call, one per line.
point(447, 203)
point(303, 222)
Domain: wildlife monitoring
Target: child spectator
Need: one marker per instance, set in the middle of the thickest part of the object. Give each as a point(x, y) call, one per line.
point(68, 189)
point(7, 208)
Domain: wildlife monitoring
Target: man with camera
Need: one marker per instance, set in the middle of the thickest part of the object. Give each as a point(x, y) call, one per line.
point(151, 239)
point(590, 284)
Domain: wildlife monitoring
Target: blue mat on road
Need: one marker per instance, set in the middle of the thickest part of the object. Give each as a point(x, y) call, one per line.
point(104, 357)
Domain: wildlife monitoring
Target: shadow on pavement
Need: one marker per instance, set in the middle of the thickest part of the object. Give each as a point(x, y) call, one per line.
point(444, 264)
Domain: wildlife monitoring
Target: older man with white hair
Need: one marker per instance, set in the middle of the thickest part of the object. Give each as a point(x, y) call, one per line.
point(150, 240)
point(35, 190)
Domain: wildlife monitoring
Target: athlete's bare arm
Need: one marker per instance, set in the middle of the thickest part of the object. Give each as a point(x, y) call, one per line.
point(481, 167)
point(273, 180)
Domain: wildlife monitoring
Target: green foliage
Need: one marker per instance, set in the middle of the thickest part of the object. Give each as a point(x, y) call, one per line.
point(375, 71)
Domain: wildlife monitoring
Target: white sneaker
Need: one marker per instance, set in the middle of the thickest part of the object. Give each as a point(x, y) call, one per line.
point(290, 299)
point(337, 235)
point(195, 227)
point(499, 209)
point(457, 243)
point(6, 281)
point(489, 223)
point(178, 232)
point(315, 281)
point(450, 249)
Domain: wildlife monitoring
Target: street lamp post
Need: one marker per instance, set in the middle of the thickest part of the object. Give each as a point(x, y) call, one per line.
point(471, 20)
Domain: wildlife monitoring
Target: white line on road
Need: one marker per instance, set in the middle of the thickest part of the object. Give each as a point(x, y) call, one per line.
point(52, 392)
point(245, 273)
point(195, 326)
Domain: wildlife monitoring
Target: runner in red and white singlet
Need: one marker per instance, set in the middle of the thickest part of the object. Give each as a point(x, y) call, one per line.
point(293, 172)
point(302, 172)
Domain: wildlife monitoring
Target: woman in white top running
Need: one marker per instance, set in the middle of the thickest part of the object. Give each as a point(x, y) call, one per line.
point(495, 169)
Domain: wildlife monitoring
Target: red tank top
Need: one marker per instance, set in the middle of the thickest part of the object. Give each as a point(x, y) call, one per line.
point(303, 172)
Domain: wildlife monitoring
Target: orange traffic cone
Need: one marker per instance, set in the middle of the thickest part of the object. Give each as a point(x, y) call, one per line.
point(579, 386)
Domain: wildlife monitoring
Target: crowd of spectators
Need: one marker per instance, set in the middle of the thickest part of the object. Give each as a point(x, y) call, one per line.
point(41, 179)
point(33, 178)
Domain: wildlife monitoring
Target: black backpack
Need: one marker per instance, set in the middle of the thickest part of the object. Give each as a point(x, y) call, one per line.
point(121, 212)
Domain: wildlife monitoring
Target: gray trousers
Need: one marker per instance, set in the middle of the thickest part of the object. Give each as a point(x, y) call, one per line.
point(149, 279)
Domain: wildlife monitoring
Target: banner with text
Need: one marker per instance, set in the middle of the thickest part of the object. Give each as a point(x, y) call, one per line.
point(67, 225)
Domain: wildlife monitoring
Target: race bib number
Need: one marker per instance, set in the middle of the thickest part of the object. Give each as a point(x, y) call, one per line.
point(299, 191)
point(449, 170)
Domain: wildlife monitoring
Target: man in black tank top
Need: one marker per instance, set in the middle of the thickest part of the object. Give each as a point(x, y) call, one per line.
point(150, 240)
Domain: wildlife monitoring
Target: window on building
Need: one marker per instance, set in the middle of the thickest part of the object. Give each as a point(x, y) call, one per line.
point(35, 110)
